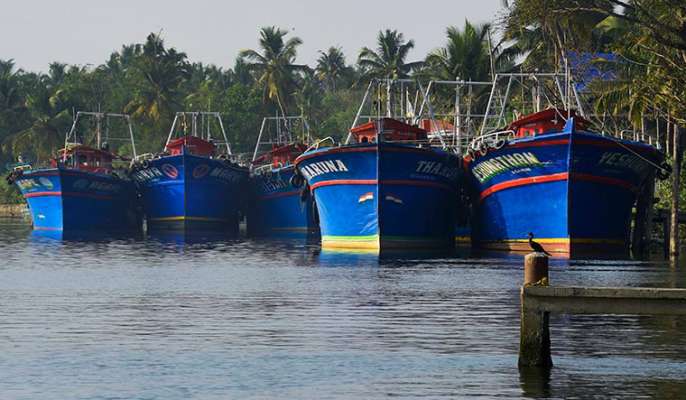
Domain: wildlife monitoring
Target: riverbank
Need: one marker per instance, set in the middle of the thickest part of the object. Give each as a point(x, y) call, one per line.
point(14, 211)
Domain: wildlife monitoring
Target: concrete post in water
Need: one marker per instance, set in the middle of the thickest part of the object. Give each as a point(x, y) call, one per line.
point(534, 339)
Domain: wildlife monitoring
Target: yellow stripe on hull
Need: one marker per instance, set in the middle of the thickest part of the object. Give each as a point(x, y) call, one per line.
point(561, 246)
point(563, 240)
point(387, 242)
point(351, 242)
point(463, 239)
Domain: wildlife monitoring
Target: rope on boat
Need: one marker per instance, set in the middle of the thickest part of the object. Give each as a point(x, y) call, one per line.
point(665, 169)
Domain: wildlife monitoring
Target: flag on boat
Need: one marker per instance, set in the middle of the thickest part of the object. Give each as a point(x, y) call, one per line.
point(366, 197)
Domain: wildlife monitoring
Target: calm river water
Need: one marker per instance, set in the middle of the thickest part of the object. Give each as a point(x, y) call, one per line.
point(166, 318)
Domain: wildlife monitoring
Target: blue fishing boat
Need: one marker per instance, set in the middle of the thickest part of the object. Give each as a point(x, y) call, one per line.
point(549, 174)
point(80, 190)
point(388, 187)
point(282, 206)
point(191, 184)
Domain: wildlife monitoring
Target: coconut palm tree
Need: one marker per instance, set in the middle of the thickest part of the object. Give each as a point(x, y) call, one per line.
point(275, 66)
point(543, 32)
point(160, 73)
point(465, 55)
point(11, 101)
point(51, 119)
point(308, 97)
point(388, 60)
point(331, 67)
point(241, 72)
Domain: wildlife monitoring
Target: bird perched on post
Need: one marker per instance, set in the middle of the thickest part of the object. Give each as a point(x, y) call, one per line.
point(535, 246)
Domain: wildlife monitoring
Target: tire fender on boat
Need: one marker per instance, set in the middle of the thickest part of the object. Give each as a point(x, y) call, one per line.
point(483, 148)
point(297, 180)
point(664, 172)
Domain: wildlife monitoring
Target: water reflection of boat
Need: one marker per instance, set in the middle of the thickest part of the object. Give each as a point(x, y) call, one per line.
point(85, 236)
point(193, 183)
point(388, 186)
point(81, 190)
point(196, 236)
point(281, 207)
point(389, 257)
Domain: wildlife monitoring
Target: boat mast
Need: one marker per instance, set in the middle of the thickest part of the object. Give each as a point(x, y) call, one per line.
point(98, 130)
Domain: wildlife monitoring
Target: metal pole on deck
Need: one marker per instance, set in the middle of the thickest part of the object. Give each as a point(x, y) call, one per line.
point(359, 110)
point(171, 131)
point(226, 139)
point(98, 128)
point(458, 118)
point(133, 142)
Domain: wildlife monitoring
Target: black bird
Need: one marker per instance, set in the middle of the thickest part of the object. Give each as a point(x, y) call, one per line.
point(535, 246)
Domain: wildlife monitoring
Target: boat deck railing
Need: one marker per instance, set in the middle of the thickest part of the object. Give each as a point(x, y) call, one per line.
point(495, 140)
point(316, 145)
point(638, 136)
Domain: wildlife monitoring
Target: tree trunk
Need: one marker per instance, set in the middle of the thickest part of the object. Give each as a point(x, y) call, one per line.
point(668, 136)
point(676, 172)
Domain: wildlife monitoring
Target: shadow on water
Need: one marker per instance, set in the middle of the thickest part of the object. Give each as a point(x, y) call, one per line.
point(48, 236)
point(190, 237)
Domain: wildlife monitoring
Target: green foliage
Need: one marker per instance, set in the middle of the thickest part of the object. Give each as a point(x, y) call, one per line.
point(9, 194)
point(275, 67)
point(388, 60)
point(331, 68)
point(465, 55)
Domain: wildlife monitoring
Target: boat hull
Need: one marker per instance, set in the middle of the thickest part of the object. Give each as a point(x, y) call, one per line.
point(72, 200)
point(573, 190)
point(190, 192)
point(383, 196)
point(280, 209)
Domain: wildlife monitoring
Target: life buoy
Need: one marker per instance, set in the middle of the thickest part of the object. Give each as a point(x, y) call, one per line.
point(304, 194)
point(664, 172)
point(483, 149)
point(315, 212)
point(145, 164)
point(499, 144)
point(296, 180)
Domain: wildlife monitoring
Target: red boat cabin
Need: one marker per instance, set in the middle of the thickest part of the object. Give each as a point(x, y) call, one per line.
point(193, 145)
point(393, 130)
point(281, 155)
point(86, 159)
point(550, 120)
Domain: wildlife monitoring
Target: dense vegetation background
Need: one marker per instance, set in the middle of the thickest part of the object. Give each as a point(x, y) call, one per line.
point(151, 80)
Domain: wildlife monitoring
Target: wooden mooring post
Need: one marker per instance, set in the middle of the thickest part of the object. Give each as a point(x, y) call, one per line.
point(534, 338)
point(538, 300)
